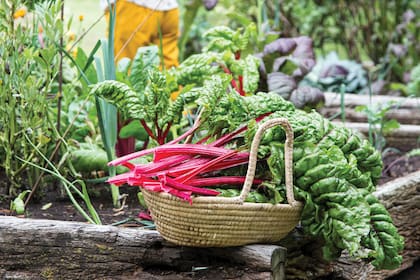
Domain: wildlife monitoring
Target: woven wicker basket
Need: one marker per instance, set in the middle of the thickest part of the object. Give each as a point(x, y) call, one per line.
point(223, 221)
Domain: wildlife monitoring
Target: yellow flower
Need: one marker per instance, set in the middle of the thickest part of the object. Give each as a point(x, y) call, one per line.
point(74, 53)
point(20, 13)
point(81, 17)
point(40, 30)
point(71, 36)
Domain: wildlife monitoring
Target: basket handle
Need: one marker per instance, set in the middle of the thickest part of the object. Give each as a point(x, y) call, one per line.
point(288, 154)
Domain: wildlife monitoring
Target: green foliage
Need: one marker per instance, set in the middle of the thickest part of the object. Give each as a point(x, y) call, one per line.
point(146, 59)
point(226, 52)
point(122, 96)
point(133, 129)
point(107, 113)
point(335, 168)
point(413, 87)
point(223, 38)
point(196, 68)
point(383, 32)
point(89, 158)
point(414, 153)
point(28, 83)
point(71, 187)
point(145, 95)
point(189, 10)
point(379, 125)
point(383, 239)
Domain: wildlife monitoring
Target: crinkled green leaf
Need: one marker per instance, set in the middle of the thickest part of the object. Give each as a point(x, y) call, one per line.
point(251, 75)
point(146, 59)
point(122, 96)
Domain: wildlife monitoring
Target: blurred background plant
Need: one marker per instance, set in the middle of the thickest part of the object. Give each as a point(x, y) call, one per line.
point(378, 37)
point(382, 35)
point(332, 74)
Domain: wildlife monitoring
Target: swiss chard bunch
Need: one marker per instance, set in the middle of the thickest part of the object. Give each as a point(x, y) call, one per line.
point(278, 68)
point(335, 172)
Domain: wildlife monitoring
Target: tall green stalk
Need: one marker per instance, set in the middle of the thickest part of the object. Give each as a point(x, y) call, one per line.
point(190, 9)
point(107, 113)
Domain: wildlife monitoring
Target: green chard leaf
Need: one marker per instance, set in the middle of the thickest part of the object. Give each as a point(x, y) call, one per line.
point(122, 96)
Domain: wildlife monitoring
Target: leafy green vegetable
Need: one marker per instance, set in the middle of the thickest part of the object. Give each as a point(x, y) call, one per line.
point(146, 59)
point(222, 38)
point(383, 239)
point(122, 96)
point(148, 97)
point(335, 172)
point(413, 87)
point(133, 129)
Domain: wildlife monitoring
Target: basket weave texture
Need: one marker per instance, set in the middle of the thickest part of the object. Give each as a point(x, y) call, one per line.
point(224, 221)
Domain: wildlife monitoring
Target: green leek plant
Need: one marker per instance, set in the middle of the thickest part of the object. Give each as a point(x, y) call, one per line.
point(70, 186)
point(107, 113)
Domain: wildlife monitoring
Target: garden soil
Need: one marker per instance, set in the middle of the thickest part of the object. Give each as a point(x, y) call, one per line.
point(53, 204)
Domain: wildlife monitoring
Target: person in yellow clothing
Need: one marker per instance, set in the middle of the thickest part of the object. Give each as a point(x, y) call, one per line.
point(141, 23)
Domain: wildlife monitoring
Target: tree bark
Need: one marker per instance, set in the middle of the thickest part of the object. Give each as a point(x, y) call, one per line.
point(48, 249)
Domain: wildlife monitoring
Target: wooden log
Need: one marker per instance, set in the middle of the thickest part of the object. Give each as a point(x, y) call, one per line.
point(404, 138)
point(403, 116)
point(406, 111)
point(32, 248)
point(352, 100)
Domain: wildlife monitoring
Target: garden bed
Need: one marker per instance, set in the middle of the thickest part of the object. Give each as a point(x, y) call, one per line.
point(128, 250)
point(66, 111)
